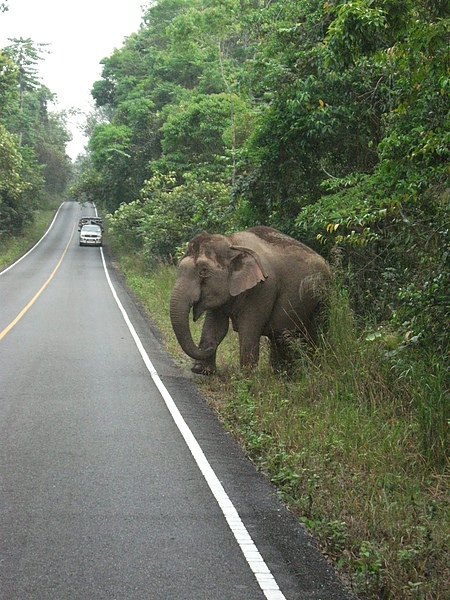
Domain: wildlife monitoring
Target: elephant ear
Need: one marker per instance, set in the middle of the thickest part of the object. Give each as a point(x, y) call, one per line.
point(246, 270)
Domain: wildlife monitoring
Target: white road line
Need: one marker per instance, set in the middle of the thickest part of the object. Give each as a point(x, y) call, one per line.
point(35, 246)
point(254, 559)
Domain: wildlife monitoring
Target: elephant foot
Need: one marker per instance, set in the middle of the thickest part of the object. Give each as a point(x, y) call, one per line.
point(203, 368)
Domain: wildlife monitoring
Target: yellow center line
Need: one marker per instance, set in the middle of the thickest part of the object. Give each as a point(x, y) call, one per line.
point(33, 300)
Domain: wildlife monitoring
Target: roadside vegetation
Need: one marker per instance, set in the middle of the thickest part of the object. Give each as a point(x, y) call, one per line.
point(14, 247)
point(34, 166)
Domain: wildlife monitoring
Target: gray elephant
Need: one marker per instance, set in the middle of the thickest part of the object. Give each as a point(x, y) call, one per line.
point(267, 283)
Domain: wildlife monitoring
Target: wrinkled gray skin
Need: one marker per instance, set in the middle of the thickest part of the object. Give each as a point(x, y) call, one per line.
point(264, 281)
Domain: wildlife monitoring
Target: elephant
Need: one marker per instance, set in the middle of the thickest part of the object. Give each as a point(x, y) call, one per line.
point(267, 283)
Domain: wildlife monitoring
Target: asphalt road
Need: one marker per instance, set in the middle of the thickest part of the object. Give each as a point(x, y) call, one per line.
point(116, 479)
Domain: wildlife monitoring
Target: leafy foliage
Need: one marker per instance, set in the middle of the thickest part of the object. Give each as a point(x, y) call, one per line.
point(12, 187)
point(33, 159)
point(169, 214)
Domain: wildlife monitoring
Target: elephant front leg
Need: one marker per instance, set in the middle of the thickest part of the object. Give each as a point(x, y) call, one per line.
point(248, 349)
point(215, 328)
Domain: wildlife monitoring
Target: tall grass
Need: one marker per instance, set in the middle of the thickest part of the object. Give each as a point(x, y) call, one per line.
point(354, 439)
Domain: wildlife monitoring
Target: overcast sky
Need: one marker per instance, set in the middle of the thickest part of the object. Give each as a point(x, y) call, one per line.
point(80, 34)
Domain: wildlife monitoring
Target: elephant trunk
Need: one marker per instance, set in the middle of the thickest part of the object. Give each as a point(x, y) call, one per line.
point(180, 307)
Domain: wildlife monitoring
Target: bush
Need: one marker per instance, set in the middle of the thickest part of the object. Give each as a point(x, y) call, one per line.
point(168, 215)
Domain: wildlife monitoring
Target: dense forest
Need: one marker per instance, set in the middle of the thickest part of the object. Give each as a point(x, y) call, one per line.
point(34, 165)
point(327, 120)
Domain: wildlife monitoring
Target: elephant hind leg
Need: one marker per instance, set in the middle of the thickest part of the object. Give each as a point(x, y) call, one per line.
point(288, 350)
point(281, 352)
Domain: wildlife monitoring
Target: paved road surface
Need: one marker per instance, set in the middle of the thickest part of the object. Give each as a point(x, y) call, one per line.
point(117, 481)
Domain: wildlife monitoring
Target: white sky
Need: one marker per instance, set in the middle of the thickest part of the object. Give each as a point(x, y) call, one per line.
point(80, 34)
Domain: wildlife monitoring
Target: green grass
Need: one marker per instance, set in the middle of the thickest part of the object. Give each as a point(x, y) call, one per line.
point(13, 248)
point(355, 441)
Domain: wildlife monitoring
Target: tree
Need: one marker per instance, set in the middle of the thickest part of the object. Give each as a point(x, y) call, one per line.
point(111, 160)
point(167, 86)
point(20, 186)
point(35, 138)
point(8, 86)
point(26, 55)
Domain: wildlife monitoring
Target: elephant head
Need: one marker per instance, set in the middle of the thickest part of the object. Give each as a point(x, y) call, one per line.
point(210, 274)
